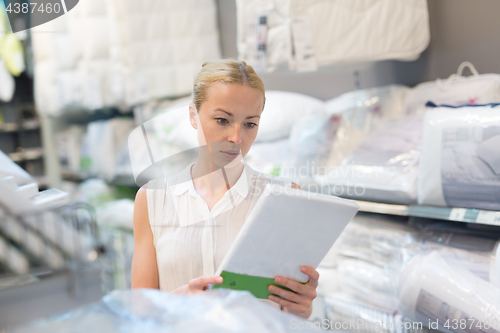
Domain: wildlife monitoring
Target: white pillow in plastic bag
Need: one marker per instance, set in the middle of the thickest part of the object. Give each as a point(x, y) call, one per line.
point(384, 167)
point(457, 90)
point(431, 289)
point(282, 110)
point(452, 172)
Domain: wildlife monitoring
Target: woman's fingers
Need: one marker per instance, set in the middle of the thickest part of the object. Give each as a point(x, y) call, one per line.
point(313, 276)
point(304, 290)
point(289, 295)
point(199, 284)
point(299, 298)
point(295, 308)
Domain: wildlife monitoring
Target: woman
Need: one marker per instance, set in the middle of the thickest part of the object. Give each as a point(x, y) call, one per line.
point(184, 226)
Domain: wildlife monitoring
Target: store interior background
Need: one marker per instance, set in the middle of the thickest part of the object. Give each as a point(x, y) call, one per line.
point(461, 30)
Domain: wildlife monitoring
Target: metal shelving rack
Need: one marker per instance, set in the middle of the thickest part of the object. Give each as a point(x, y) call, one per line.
point(47, 288)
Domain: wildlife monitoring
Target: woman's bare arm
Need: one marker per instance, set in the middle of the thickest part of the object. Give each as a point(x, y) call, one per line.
point(144, 266)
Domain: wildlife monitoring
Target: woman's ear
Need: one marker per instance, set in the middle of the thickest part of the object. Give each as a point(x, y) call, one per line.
point(192, 116)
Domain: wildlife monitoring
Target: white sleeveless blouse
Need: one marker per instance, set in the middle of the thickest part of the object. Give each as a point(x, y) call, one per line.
point(190, 240)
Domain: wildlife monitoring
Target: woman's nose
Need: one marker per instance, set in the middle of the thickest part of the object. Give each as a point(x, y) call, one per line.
point(235, 135)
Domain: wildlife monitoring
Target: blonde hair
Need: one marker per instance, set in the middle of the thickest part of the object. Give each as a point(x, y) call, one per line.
point(224, 71)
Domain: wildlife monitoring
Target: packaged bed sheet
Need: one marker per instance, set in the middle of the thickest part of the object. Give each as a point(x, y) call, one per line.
point(312, 33)
point(460, 157)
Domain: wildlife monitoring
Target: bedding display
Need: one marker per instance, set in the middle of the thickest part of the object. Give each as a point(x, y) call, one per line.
point(309, 34)
point(96, 58)
point(431, 272)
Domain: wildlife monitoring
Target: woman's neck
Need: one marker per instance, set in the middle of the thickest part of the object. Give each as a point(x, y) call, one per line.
point(210, 179)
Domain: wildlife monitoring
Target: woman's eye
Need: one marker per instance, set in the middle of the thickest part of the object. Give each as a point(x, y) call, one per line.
point(221, 120)
point(251, 125)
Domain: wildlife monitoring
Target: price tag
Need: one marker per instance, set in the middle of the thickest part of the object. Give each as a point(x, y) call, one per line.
point(457, 214)
point(488, 217)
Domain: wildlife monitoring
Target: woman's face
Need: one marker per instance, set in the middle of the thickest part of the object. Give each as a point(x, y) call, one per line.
point(227, 121)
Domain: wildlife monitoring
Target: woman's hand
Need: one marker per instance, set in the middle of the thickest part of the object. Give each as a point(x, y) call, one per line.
point(298, 302)
point(198, 284)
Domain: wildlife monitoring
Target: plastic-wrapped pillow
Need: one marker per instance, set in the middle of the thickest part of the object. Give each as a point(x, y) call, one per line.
point(429, 284)
point(282, 110)
point(456, 90)
point(457, 168)
point(384, 167)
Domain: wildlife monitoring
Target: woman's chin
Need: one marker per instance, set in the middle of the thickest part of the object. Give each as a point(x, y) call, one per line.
point(228, 162)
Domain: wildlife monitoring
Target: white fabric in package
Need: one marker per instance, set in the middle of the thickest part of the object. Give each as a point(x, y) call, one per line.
point(368, 282)
point(479, 255)
point(331, 32)
point(155, 311)
point(457, 167)
point(351, 31)
point(362, 112)
point(379, 239)
point(384, 167)
point(282, 110)
point(432, 289)
point(457, 90)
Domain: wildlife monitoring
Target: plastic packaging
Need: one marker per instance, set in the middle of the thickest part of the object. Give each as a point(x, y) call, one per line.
point(432, 289)
point(368, 282)
point(311, 140)
point(456, 90)
point(362, 112)
point(384, 167)
point(379, 240)
point(457, 168)
point(347, 313)
point(147, 310)
point(479, 255)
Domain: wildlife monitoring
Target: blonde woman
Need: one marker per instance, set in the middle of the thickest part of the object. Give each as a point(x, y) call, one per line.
point(184, 225)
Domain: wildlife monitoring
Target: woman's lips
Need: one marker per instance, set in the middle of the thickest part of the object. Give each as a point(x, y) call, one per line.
point(231, 154)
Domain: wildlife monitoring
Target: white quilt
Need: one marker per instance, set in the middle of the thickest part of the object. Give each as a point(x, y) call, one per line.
point(310, 33)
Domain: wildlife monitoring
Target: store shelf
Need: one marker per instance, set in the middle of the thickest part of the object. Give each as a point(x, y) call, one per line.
point(27, 125)
point(468, 215)
point(121, 180)
point(27, 154)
